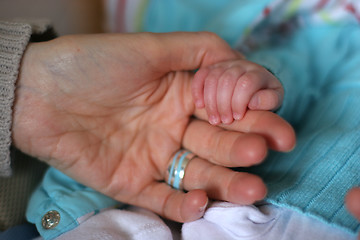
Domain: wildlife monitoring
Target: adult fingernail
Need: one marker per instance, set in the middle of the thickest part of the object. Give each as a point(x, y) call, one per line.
point(203, 208)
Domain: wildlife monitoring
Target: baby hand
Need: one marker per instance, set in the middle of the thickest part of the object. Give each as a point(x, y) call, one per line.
point(228, 89)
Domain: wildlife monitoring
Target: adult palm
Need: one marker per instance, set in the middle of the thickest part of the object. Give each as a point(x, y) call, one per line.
point(110, 110)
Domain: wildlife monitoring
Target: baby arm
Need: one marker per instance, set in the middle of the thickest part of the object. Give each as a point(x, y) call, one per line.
point(228, 89)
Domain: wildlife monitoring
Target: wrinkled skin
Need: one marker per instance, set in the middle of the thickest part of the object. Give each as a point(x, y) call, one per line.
point(227, 89)
point(110, 111)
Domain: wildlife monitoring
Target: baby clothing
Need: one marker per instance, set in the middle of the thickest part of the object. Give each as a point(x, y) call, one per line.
point(71, 202)
point(221, 221)
point(311, 46)
point(233, 20)
point(263, 221)
point(115, 224)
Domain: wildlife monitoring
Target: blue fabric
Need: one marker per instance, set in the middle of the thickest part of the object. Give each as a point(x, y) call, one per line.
point(221, 17)
point(322, 102)
point(71, 199)
point(319, 67)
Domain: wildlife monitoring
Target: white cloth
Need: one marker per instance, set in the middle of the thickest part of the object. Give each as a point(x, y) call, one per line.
point(222, 220)
point(115, 224)
point(229, 221)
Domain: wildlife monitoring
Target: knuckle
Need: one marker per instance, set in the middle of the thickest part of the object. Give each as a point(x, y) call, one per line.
point(228, 78)
point(248, 81)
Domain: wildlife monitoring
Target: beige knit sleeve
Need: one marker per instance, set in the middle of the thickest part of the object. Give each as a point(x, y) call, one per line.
point(14, 38)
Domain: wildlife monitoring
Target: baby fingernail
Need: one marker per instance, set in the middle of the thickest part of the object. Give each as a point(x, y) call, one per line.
point(226, 120)
point(237, 116)
point(214, 120)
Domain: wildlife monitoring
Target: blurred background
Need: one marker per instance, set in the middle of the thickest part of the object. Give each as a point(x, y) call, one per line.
point(67, 16)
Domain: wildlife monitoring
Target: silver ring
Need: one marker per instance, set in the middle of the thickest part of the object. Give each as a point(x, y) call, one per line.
point(176, 169)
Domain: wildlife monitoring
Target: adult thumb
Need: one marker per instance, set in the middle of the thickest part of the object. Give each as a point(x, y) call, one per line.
point(191, 50)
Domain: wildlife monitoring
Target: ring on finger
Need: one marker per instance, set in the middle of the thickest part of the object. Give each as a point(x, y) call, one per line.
point(175, 172)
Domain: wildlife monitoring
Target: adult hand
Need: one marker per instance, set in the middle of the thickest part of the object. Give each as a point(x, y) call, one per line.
point(353, 203)
point(110, 110)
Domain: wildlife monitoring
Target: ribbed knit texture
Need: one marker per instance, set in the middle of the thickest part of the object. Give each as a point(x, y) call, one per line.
point(319, 66)
point(322, 101)
point(13, 41)
point(25, 172)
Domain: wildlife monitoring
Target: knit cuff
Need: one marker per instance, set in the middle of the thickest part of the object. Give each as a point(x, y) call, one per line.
point(14, 38)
